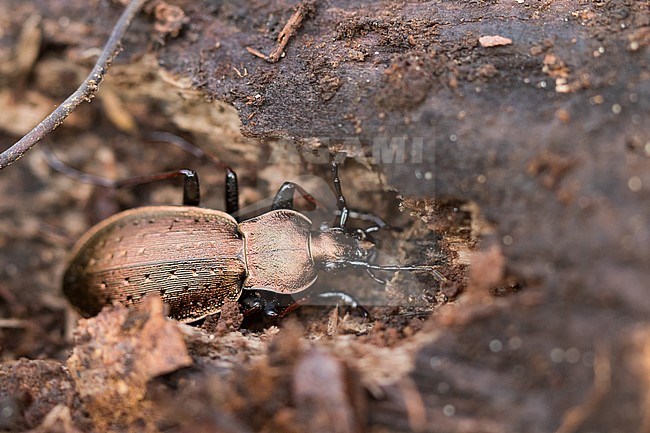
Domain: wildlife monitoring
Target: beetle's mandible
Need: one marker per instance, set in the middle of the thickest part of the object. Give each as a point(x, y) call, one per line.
point(198, 258)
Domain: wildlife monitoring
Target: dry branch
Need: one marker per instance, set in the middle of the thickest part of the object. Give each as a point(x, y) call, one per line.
point(85, 92)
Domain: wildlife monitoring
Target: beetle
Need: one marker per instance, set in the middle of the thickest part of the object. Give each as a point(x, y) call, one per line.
point(199, 258)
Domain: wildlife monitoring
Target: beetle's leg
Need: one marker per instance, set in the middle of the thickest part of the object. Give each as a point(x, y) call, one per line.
point(232, 192)
point(273, 307)
point(269, 303)
point(347, 300)
point(339, 296)
point(231, 185)
point(344, 212)
point(252, 304)
point(55, 163)
point(191, 190)
point(285, 196)
point(343, 207)
point(377, 222)
point(288, 309)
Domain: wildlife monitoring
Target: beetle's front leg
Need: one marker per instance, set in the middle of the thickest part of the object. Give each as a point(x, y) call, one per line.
point(340, 199)
point(277, 310)
point(347, 300)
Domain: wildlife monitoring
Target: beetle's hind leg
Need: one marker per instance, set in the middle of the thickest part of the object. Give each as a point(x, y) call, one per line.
point(231, 184)
point(191, 189)
point(284, 198)
point(232, 192)
point(232, 187)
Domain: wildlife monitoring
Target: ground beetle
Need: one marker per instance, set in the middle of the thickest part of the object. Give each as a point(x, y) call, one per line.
point(198, 258)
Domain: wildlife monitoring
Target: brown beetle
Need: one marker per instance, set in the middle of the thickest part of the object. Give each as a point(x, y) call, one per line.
point(198, 258)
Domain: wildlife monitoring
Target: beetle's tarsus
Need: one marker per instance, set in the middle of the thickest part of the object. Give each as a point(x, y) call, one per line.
point(191, 189)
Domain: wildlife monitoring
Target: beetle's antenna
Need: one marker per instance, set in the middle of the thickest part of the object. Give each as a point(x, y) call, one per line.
point(84, 93)
point(391, 268)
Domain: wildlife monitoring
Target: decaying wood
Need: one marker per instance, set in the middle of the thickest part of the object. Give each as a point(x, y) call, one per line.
point(532, 152)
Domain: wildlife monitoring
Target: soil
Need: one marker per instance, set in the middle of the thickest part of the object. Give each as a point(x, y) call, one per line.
point(505, 143)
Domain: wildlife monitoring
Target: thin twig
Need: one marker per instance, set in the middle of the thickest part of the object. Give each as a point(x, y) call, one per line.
point(288, 31)
point(85, 92)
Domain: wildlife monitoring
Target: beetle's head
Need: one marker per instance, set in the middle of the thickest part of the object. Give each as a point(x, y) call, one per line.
point(335, 248)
